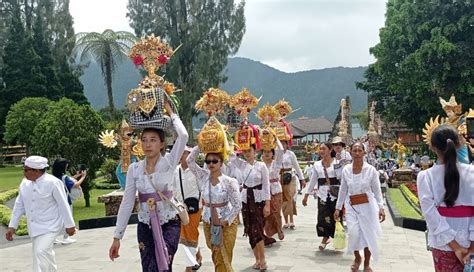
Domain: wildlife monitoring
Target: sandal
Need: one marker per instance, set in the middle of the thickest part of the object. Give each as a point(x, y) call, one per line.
point(285, 226)
point(355, 266)
point(292, 226)
point(263, 267)
point(367, 269)
point(322, 246)
point(281, 235)
point(256, 266)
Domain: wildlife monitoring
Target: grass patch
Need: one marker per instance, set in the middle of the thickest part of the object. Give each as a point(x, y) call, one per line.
point(402, 205)
point(10, 177)
point(95, 210)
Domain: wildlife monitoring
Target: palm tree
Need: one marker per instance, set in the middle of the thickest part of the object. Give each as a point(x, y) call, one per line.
point(107, 49)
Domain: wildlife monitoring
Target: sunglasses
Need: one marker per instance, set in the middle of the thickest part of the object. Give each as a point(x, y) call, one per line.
point(211, 161)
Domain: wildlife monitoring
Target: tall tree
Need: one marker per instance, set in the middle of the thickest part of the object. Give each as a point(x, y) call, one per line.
point(426, 50)
point(209, 31)
point(106, 48)
point(21, 71)
point(42, 48)
point(63, 41)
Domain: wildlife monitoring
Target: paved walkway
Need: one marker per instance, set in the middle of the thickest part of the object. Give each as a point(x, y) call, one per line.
point(400, 250)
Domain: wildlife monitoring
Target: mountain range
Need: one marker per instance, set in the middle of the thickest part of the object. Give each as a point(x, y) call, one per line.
point(313, 93)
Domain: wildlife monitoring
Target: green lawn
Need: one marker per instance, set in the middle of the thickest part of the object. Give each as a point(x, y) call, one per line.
point(10, 177)
point(402, 205)
point(95, 210)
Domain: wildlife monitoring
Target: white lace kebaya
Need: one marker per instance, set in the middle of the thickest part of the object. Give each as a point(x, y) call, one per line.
point(162, 179)
point(226, 191)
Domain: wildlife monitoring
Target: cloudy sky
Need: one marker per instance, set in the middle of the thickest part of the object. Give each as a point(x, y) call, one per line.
point(290, 35)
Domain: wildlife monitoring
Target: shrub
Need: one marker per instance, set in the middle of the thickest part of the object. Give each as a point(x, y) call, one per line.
point(7, 195)
point(406, 191)
point(5, 216)
point(108, 170)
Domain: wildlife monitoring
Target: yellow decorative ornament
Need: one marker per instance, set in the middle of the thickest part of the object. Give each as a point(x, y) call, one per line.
point(283, 108)
point(212, 138)
point(429, 127)
point(245, 137)
point(243, 102)
point(213, 101)
point(137, 150)
point(107, 139)
point(151, 52)
point(267, 138)
point(462, 129)
point(268, 115)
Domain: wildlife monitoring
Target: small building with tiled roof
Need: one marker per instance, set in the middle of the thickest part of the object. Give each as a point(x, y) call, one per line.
point(306, 129)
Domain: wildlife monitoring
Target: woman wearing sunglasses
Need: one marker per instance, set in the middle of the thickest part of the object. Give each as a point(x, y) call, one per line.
point(223, 193)
point(159, 226)
point(255, 194)
point(364, 207)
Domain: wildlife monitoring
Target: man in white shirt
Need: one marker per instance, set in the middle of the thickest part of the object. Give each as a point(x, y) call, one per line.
point(43, 199)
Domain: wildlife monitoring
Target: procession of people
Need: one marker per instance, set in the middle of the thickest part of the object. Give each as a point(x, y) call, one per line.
point(185, 191)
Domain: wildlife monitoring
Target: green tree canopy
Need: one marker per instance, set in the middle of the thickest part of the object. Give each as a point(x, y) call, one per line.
point(426, 50)
point(209, 31)
point(23, 118)
point(106, 48)
point(70, 131)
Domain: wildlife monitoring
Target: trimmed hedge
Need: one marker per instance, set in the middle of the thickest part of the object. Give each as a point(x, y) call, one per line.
point(5, 216)
point(7, 195)
point(411, 197)
point(106, 186)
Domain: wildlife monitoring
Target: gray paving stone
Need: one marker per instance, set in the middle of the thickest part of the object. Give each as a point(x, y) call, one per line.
point(400, 250)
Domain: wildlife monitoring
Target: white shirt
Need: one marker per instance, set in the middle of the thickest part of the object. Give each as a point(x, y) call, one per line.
point(162, 179)
point(253, 175)
point(367, 181)
point(443, 230)
point(345, 156)
point(45, 204)
point(334, 171)
point(308, 170)
point(190, 186)
point(290, 161)
point(226, 191)
point(274, 170)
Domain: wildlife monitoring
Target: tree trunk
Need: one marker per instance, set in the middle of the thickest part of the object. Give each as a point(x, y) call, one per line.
point(108, 82)
point(87, 197)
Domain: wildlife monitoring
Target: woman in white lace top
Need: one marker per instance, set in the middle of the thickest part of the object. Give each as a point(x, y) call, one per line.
point(157, 244)
point(225, 198)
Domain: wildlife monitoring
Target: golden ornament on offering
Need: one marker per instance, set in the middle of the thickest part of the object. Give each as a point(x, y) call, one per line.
point(212, 138)
point(243, 102)
point(268, 114)
point(151, 52)
point(213, 101)
point(283, 108)
point(267, 138)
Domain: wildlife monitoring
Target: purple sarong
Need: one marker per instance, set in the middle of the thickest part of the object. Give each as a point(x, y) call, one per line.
point(161, 255)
